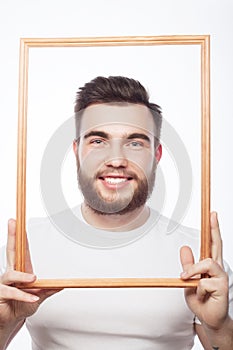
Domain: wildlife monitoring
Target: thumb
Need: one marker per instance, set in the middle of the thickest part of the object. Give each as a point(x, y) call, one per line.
point(43, 294)
point(186, 258)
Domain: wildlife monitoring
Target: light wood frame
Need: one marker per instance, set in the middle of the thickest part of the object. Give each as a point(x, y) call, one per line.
point(25, 45)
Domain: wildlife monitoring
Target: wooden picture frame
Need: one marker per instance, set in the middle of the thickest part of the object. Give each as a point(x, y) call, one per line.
point(25, 45)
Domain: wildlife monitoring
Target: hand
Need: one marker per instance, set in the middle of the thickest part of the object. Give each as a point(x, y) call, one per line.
point(209, 301)
point(17, 304)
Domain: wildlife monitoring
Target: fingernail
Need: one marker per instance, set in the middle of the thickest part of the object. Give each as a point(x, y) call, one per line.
point(30, 277)
point(34, 298)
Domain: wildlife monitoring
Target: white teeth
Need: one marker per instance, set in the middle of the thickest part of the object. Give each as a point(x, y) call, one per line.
point(115, 180)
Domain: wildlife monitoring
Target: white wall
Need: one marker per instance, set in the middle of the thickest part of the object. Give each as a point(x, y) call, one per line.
point(74, 18)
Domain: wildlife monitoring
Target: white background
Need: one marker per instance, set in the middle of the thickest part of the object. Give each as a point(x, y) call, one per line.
point(28, 18)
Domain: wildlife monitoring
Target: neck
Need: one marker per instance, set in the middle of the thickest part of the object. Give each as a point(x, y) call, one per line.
point(116, 222)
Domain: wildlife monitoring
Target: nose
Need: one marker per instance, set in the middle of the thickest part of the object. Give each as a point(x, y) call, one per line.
point(116, 157)
point(116, 162)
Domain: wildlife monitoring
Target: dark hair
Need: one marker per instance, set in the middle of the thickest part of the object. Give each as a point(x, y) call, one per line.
point(115, 89)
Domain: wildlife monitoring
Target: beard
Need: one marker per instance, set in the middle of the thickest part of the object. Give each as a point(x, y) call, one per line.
point(118, 203)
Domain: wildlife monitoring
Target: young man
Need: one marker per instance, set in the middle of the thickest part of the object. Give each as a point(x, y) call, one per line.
point(117, 150)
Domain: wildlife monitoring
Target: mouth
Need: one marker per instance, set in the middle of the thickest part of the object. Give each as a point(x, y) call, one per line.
point(115, 181)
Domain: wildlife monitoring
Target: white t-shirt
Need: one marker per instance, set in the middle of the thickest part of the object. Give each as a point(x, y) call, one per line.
point(110, 318)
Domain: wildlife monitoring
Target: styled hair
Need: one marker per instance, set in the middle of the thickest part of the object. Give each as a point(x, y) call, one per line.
point(115, 89)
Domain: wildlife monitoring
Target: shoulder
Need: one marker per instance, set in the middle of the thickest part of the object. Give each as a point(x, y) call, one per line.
point(172, 235)
point(54, 222)
point(173, 228)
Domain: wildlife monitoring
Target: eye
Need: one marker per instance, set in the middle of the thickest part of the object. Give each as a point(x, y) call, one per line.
point(135, 144)
point(98, 142)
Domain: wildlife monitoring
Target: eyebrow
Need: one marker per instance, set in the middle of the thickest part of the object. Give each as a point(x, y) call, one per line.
point(105, 135)
point(137, 135)
point(97, 133)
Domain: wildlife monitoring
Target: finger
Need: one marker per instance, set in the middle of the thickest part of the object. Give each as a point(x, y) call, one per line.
point(11, 277)
point(12, 293)
point(208, 286)
point(186, 258)
point(207, 266)
point(10, 247)
point(42, 294)
point(216, 241)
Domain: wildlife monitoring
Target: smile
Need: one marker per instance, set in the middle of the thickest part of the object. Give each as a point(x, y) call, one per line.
point(114, 180)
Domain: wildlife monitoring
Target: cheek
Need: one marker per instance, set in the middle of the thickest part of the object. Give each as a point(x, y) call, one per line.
point(143, 161)
point(91, 159)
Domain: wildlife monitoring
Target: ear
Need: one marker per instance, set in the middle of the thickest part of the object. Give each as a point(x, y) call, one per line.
point(75, 147)
point(158, 152)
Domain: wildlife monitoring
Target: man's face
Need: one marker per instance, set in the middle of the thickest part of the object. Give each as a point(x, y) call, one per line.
point(116, 157)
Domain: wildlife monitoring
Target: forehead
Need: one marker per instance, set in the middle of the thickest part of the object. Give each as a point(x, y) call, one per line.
point(117, 118)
